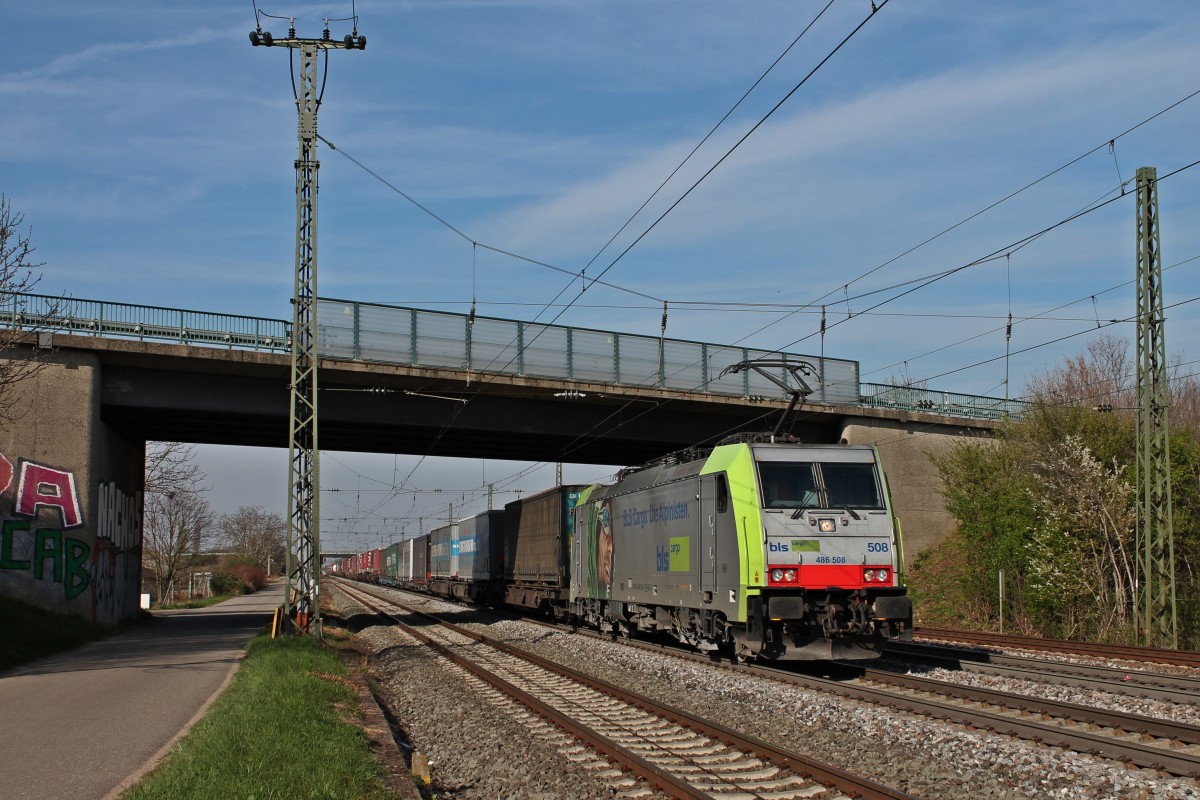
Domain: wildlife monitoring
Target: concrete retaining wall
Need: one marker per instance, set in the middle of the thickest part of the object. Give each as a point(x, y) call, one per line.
point(904, 447)
point(70, 496)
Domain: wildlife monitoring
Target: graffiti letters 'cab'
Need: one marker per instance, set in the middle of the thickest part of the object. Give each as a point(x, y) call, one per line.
point(782, 551)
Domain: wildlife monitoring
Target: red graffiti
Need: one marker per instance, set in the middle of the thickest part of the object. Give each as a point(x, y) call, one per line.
point(48, 488)
point(6, 474)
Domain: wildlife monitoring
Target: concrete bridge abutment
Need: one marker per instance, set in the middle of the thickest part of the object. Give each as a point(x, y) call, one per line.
point(70, 493)
point(905, 444)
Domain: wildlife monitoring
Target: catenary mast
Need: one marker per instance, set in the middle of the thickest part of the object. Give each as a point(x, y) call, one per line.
point(1156, 544)
point(301, 600)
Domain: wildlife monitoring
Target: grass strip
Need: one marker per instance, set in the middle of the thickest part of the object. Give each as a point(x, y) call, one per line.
point(30, 632)
point(198, 602)
point(280, 730)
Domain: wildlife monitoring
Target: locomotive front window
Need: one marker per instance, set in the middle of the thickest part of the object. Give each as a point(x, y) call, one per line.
point(798, 484)
point(788, 484)
point(852, 485)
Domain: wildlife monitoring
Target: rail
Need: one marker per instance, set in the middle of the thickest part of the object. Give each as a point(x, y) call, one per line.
point(353, 330)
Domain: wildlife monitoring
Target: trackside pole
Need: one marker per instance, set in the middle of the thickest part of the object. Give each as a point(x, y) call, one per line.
point(302, 597)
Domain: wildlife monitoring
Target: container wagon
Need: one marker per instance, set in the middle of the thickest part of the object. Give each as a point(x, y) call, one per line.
point(537, 546)
point(419, 562)
point(477, 549)
point(390, 574)
point(443, 558)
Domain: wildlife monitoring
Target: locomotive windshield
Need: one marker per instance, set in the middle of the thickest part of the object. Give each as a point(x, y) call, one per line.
point(799, 484)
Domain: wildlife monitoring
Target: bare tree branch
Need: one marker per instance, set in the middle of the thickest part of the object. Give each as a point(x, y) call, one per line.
point(17, 275)
point(253, 532)
point(175, 512)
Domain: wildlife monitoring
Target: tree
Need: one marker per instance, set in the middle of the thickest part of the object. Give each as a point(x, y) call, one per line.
point(1050, 500)
point(253, 532)
point(17, 276)
point(986, 487)
point(1082, 573)
point(175, 513)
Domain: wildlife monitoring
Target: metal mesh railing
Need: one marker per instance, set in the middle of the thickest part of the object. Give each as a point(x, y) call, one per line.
point(410, 336)
point(395, 334)
point(125, 320)
point(955, 404)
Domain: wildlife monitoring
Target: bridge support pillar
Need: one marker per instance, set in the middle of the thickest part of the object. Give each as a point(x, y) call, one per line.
point(904, 447)
point(70, 496)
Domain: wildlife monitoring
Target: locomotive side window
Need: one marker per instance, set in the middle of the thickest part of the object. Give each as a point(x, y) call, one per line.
point(722, 494)
point(852, 486)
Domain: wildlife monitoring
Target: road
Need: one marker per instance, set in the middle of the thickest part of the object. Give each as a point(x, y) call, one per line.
point(79, 724)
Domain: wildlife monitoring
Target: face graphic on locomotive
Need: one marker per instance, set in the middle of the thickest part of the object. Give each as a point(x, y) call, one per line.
point(604, 555)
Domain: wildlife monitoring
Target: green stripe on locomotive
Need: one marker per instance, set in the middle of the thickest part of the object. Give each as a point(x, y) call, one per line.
point(737, 462)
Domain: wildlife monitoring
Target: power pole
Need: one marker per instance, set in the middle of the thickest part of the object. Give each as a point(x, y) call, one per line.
point(1156, 538)
point(301, 599)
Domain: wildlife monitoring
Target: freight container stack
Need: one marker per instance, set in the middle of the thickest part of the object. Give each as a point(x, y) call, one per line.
point(443, 558)
point(537, 547)
point(420, 561)
point(391, 565)
point(477, 548)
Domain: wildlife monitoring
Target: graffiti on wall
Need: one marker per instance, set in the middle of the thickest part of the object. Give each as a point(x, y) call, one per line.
point(42, 534)
point(117, 560)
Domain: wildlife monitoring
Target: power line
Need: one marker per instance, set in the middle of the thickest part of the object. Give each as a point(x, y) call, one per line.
point(985, 209)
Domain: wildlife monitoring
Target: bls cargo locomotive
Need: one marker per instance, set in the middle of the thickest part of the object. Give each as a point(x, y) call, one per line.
point(775, 551)
point(754, 549)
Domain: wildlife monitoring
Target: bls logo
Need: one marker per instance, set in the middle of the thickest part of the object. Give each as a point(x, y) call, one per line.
point(662, 559)
point(777, 547)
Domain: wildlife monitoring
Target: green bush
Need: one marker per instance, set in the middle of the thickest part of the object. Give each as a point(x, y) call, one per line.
point(227, 583)
point(252, 576)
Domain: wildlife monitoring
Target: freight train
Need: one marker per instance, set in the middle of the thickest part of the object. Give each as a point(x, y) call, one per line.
point(776, 551)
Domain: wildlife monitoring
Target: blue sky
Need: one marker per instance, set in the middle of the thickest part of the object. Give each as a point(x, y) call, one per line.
point(150, 148)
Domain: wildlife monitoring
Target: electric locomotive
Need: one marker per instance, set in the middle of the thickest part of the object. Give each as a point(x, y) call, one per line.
point(759, 549)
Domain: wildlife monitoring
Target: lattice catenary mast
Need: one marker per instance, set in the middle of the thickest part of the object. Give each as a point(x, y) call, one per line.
point(301, 600)
point(1156, 540)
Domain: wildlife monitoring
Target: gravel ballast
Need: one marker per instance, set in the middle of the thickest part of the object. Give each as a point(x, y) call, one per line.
point(482, 751)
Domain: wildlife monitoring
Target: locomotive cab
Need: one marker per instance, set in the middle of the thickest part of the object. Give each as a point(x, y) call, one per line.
point(831, 551)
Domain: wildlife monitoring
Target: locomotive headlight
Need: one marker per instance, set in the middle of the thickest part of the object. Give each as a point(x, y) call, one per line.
point(790, 575)
point(777, 575)
point(881, 575)
point(827, 525)
point(868, 575)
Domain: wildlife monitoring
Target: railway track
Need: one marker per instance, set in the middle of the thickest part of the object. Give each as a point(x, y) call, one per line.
point(1153, 655)
point(1123, 681)
point(1133, 740)
point(679, 754)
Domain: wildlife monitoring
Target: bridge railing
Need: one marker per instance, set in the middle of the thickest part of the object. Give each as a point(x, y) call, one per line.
point(127, 320)
point(410, 336)
point(906, 398)
point(400, 335)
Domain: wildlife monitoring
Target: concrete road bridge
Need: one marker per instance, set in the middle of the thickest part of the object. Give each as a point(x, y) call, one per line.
point(392, 380)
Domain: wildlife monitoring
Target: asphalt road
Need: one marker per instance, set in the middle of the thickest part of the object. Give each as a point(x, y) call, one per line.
point(78, 724)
